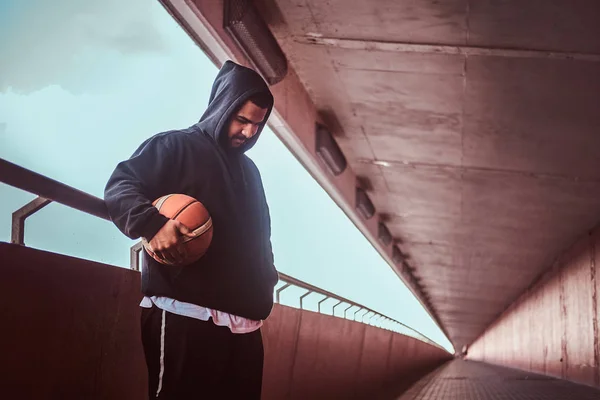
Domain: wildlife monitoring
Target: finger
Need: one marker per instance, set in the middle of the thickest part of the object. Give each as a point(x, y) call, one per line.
point(182, 250)
point(156, 250)
point(184, 230)
point(171, 254)
point(174, 255)
point(158, 254)
point(163, 254)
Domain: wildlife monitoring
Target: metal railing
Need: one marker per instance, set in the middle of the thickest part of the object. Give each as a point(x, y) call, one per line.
point(49, 190)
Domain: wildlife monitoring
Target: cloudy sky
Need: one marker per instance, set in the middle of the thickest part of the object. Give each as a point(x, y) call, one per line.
point(83, 83)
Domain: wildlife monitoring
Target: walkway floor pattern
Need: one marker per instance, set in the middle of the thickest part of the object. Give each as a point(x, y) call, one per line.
point(469, 380)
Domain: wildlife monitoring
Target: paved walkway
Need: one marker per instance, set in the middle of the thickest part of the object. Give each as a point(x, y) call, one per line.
point(469, 380)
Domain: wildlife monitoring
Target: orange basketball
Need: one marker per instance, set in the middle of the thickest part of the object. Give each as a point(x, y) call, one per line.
point(191, 213)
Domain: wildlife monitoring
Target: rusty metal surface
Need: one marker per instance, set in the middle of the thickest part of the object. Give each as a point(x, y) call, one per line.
point(73, 326)
point(461, 380)
point(483, 161)
point(553, 328)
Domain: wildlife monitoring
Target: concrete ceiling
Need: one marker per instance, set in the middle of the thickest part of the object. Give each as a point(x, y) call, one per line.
point(483, 156)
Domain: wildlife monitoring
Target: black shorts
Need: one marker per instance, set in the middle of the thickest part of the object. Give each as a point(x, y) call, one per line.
point(189, 358)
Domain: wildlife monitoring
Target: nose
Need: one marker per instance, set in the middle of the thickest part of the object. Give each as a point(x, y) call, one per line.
point(249, 130)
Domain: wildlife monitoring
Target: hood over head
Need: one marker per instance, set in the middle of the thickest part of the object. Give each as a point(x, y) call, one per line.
point(233, 86)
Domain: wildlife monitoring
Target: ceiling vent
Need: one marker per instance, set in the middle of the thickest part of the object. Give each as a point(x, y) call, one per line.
point(328, 150)
point(244, 24)
point(363, 204)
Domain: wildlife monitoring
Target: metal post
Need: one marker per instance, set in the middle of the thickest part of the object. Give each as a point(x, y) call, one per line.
point(319, 304)
point(357, 311)
point(19, 217)
point(362, 317)
point(302, 298)
point(349, 307)
point(369, 321)
point(281, 289)
point(333, 309)
point(134, 256)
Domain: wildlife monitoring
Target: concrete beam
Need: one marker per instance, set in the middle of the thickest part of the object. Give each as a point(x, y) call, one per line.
point(461, 50)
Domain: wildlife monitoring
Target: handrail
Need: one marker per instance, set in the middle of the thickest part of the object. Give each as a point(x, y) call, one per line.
point(32, 182)
point(50, 190)
point(329, 295)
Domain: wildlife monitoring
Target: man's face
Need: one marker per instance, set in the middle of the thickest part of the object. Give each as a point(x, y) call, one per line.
point(245, 123)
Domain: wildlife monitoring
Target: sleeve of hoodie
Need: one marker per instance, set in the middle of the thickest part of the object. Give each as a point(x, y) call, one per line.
point(135, 184)
point(266, 217)
point(274, 276)
point(269, 247)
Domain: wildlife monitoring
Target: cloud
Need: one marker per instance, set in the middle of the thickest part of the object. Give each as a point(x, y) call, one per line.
point(129, 33)
point(59, 42)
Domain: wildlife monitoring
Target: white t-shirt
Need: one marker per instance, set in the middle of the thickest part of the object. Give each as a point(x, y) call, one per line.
point(234, 323)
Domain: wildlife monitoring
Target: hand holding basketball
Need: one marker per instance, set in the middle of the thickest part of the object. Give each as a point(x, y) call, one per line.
point(168, 242)
point(187, 234)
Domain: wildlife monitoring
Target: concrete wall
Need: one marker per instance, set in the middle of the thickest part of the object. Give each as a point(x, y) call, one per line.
point(315, 356)
point(553, 327)
point(70, 330)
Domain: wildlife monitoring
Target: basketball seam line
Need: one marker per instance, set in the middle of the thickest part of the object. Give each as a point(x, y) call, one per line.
point(162, 201)
point(183, 209)
point(202, 230)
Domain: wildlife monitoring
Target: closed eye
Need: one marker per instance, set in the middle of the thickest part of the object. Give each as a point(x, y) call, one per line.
point(245, 121)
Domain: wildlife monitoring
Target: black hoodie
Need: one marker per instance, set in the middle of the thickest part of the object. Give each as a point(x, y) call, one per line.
point(237, 274)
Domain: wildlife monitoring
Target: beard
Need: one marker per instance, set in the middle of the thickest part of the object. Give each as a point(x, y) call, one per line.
point(237, 141)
